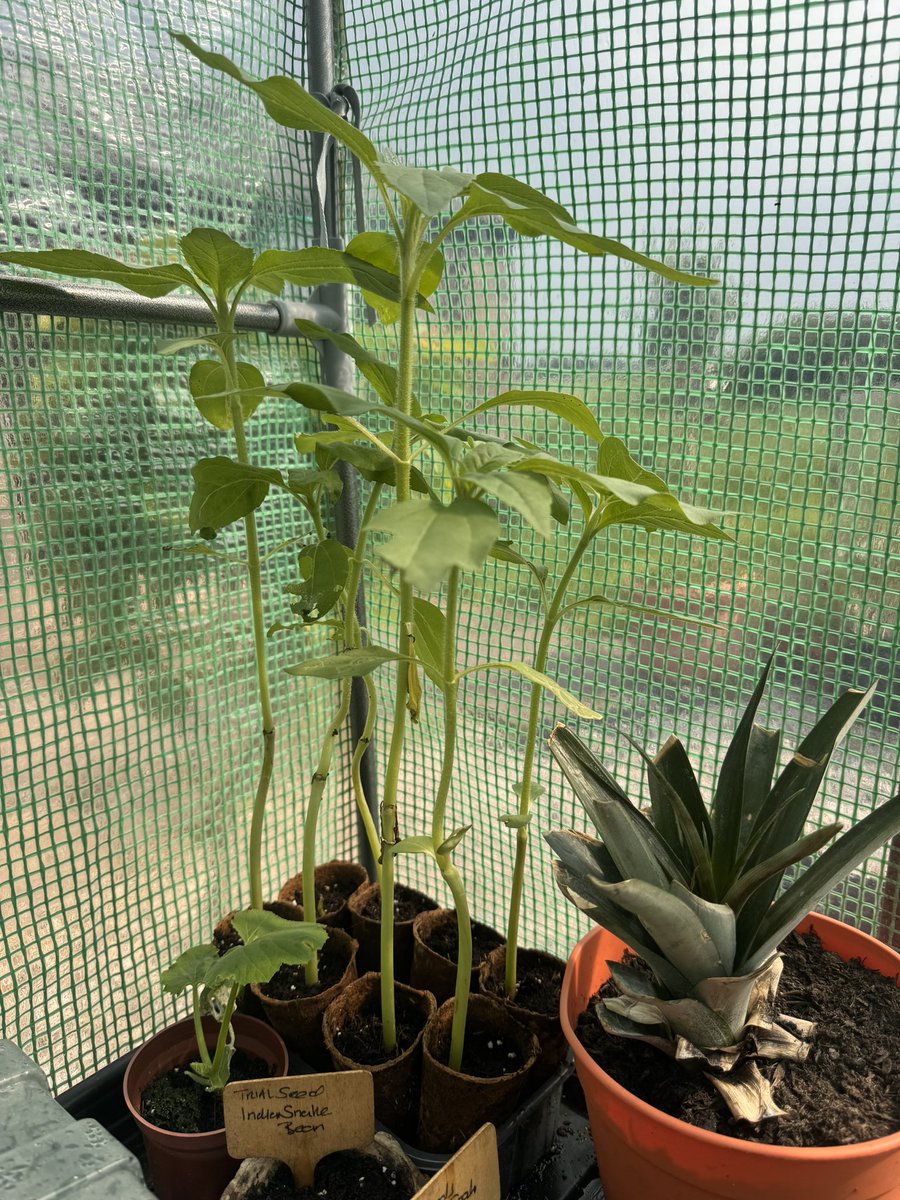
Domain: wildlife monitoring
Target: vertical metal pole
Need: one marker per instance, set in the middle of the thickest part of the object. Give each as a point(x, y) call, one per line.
point(337, 369)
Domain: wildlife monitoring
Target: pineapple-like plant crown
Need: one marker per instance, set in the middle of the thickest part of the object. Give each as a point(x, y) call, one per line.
point(694, 891)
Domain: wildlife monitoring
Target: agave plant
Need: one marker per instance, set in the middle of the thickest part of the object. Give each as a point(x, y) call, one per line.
point(695, 892)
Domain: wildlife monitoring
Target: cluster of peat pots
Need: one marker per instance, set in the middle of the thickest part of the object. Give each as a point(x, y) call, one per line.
point(512, 1050)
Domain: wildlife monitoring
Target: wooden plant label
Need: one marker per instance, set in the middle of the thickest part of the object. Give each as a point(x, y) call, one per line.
point(300, 1118)
point(473, 1173)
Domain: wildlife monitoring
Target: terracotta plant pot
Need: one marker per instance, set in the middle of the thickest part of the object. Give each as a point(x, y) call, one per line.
point(223, 935)
point(192, 1166)
point(397, 1082)
point(547, 1029)
point(337, 877)
point(300, 1021)
point(456, 1105)
point(643, 1152)
point(367, 930)
point(435, 972)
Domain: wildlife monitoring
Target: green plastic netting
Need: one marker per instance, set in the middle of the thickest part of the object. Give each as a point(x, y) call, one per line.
point(753, 141)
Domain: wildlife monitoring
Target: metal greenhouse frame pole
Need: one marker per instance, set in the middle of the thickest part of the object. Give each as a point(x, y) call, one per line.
point(336, 368)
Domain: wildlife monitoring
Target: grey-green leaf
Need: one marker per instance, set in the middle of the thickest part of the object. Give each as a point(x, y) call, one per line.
point(717, 919)
point(345, 665)
point(288, 103)
point(225, 491)
point(428, 539)
point(217, 259)
point(82, 264)
point(190, 969)
point(266, 947)
point(208, 385)
point(430, 191)
point(583, 855)
point(323, 567)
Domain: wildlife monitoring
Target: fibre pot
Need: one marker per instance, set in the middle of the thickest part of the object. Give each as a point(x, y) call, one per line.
point(336, 881)
point(432, 969)
point(366, 928)
point(192, 1166)
point(642, 1152)
point(397, 1082)
point(225, 937)
point(545, 1026)
point(455, 1105)
point(299, 1020)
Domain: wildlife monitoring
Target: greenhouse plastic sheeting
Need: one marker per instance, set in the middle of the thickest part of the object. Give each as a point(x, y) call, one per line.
point(751, 141)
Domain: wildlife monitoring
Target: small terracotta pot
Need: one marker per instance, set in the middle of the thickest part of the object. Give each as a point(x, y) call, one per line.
point(300, 1021)
point(347, 876)
point(367, 930)
point(192, 1166)
point(642, 1152)
point(247, 1002)
point(455, 1105)
point(434, 972)
point(397, 1082)
point(547, 1029)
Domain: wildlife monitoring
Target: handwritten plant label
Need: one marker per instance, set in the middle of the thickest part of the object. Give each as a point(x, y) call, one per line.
point(473, 1173)
point(300, 1118)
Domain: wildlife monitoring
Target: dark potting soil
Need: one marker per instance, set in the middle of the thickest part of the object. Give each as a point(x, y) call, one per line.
point(847, 1090)
point(538, 989)
point(329, 898)
point(289, 981)
point(341, 1176)
point(226, 941)
point(360, 1037)
point(487, 1055)
point(445, 941)
point(173, 1101)
point(407, 904)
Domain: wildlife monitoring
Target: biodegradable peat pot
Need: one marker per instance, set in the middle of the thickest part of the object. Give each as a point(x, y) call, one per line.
point(366, 927)
point(546, 1027)
point(192, 1166)
point(432, 970)
point(456, 1105)
point(336, 881)
point(643, 1152)
point(225, 937)
point(299, 1021)
point(397, 1082)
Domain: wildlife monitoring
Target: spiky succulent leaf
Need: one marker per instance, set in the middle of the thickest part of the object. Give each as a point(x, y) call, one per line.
point(674, 926)
point(686, 1018)
point(787, 807)
point(631, 981)
point(717, 919)
point(582, 854)
point(743, 888)
point(829, 868)
point(741, 998)
point(638, 851)
point(728, 802)
point(759, 769)
point(585, 895)
point(673, 765)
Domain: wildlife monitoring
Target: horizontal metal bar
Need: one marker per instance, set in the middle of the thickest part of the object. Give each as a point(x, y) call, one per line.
point(276, 317)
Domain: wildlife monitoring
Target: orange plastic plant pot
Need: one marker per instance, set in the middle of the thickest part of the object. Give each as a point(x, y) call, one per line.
point(643, 1153)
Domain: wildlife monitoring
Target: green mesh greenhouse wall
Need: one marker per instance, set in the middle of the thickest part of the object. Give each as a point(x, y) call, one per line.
point(755, 141)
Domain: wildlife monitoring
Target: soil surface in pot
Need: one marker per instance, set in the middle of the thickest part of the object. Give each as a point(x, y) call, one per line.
point(330, 896)
point(173, 1101)
point(847, 1090)
point(445, 941)
point(407, 904)
point(338, 1177)
point(538, 989)
point(487, 1056)
point(360, 1038)
point(289, 981)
